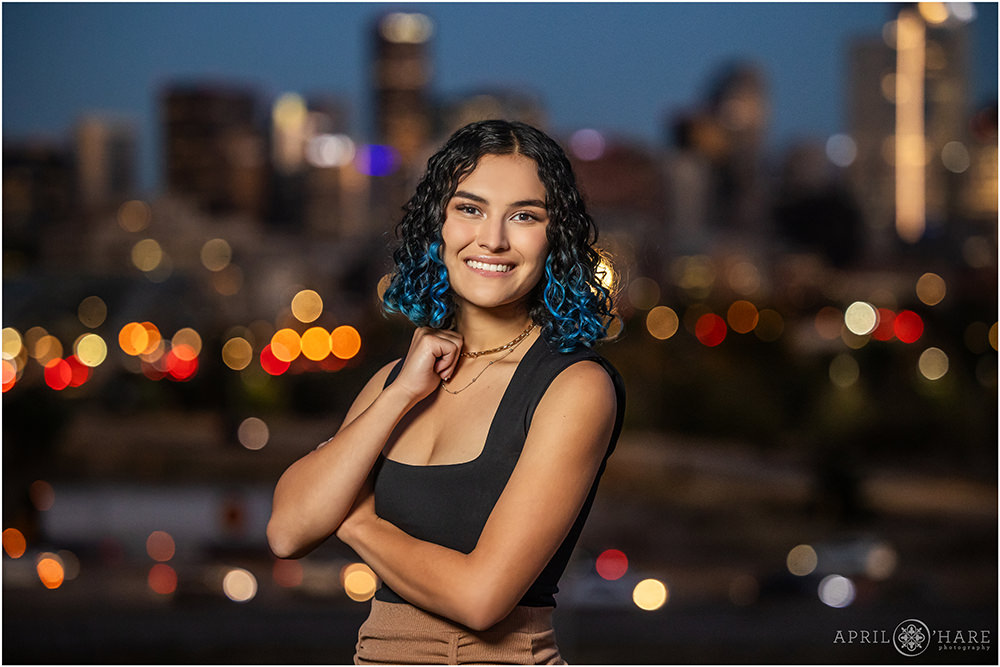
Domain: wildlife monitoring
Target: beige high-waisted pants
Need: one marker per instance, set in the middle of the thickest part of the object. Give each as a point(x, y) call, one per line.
point(403, 634)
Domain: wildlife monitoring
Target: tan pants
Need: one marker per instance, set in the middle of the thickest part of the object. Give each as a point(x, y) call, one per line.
point(403, 634)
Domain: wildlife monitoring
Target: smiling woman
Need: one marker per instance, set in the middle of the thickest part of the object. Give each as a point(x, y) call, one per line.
point(463, 473)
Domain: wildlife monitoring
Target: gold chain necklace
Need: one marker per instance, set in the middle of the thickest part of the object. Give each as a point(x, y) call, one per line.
point(512, 344)
point(510, 349)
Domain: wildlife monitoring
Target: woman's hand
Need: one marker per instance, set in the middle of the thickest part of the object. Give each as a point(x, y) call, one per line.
point(432, 357)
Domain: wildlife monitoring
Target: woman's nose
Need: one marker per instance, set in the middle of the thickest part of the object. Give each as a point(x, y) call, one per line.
point(493, 235)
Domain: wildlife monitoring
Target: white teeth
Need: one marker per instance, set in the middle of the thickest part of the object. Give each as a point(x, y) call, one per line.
point(483, 266)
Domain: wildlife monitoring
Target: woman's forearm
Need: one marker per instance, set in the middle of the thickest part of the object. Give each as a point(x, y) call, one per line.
point(458, 586)
point(316, 492)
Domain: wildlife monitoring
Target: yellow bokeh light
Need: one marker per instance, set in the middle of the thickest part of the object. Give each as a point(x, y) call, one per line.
point(742, 316)
point(239, 585)
point(662, 322)
point(12, 343)
point(228, 281)
point(134, 215)
point(153, 340)
point(933, 12)
point(861, 318)
point(931, 289)
point(253, 433)
point(359, 581)
point(237, 353)
point(92, 312)
point(14, 543)
point(216, 254)
point(316, 344)
point(993, 336)
point(147, 255)
point(383, 285)
point(345, 342)
point(91, 350)
point(933, 363)
point(307, 306)
point(186, 344)
point(802, 560)
point(650, 594)
point(286, 345)
point(289, 112)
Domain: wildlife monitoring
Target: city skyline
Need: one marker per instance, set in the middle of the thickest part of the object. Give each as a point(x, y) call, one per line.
point(116, 58)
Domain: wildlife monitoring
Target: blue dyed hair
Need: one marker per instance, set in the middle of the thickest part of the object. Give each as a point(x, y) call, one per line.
point(570, 303)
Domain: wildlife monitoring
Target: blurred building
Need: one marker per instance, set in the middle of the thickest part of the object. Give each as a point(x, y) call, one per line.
point(919, 69)
point(508, 104)
point(106, 150)
point(215, 150)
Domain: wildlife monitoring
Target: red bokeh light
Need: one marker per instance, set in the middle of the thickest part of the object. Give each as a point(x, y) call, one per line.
point(271, 364)
point(162, 579)
point(710, 329)
point(908, 326)
point(58, 374)
point(885, 329)
point(78, 372)
point(181, 364)
point(612, 564)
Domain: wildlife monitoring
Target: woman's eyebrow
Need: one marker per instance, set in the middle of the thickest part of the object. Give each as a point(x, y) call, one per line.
point(464, 194)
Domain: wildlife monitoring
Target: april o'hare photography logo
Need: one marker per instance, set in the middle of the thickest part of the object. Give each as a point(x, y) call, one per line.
point(911, 637)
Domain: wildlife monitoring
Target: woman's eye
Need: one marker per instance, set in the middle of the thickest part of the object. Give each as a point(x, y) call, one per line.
point(467, 209)
point(524, 216)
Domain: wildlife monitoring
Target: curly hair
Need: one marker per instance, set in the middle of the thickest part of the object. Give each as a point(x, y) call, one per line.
point(570, 303)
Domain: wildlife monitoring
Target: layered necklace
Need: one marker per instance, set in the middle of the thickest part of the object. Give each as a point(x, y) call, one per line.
point(507, 349)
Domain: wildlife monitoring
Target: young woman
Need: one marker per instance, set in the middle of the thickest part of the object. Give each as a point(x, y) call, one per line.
point(463, 473)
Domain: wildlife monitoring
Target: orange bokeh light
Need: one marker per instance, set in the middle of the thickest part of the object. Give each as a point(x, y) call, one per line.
point(345, 342)
point(14, 543)
point(162, 579)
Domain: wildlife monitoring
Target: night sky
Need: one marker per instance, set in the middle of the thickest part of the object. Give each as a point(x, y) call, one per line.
point(623, 68)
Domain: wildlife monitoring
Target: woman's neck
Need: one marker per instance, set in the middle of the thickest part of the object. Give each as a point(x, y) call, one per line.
point(483, 330)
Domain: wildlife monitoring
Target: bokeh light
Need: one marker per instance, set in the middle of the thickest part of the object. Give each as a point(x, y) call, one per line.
point(770, 325)
point(587, 144)
point(802, 560)
point(271, 364)
point(45, 348)
point(14, 543)
point(841, 150)
point(861, 318)
point(376, 160)
point(710, 329)
point(134, 215)
point(237, 353)
point(253, 433)
point(316, 344)
point(58, 374)
point(828, 322)
point(162, 579)
point(216, 254)
point(742, 316)
point(330, 150)
point(147, 255)
point(662, 322)
point(49, 568)
point(611, 564)
point(844, 370)
point(239, 585)
point(931, 289)
point(649, 594)
point(881, 561)
point(836, 591)
point(186, 344)
point(908, 326)
point(345, 342)
point(359, 581)
point(643, 293)
point(307, 306)
point(160, 546)
point(286, 345)
point(885, 330)
point(42, 495)
point(91, 350)
point(92, 312)
point(933, 363)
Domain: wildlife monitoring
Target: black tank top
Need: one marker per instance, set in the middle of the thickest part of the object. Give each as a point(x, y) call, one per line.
point(449, 504)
